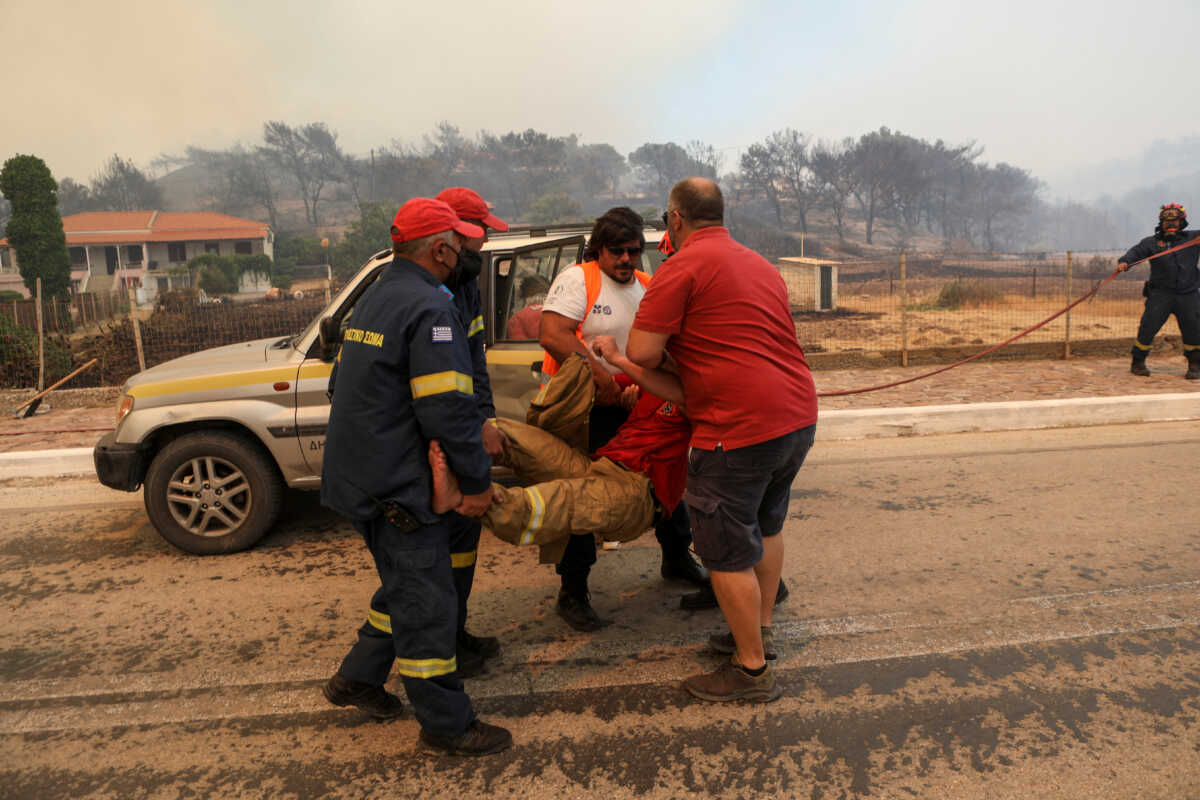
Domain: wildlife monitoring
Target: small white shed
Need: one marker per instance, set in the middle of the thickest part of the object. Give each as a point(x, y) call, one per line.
point(811, 283)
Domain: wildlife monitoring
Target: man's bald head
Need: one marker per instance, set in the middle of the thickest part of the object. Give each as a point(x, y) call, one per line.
point(699, 201)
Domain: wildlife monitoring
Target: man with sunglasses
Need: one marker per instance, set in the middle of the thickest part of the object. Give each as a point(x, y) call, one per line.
point(404, 379)
point(600, 297)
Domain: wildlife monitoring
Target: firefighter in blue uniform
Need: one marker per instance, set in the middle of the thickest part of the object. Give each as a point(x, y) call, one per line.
point(403, 378)
point(472, 651)
point(1173, 288)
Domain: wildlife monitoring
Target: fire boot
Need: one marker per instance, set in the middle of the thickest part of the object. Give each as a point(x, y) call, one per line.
point(1193, 372)
point(1138, 367)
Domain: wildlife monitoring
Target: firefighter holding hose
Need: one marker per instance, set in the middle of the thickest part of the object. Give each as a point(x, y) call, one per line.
point(1173, 288)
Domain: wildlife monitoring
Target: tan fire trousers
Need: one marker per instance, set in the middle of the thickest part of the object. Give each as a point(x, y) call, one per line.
point(570, 493)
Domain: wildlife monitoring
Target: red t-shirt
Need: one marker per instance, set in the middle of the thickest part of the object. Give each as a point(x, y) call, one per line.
point(654, 442)
point(731, 331)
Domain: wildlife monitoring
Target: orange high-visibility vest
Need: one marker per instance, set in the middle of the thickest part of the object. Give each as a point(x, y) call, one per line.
point(592, 281)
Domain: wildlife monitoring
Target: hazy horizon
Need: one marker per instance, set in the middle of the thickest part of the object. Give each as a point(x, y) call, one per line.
point(1056, 88)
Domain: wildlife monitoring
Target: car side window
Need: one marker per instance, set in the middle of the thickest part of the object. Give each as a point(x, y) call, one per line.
point(521, 285)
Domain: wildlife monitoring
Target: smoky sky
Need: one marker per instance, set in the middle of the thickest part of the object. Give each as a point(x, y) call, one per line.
point(1048, 86)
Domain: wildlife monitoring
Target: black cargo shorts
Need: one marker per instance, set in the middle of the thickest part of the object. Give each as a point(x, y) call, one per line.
point(736, 497)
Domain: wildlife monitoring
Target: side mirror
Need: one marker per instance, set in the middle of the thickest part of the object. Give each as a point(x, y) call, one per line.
point(329, 333)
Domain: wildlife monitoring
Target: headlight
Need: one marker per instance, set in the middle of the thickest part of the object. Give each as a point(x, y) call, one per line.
point(124, 407)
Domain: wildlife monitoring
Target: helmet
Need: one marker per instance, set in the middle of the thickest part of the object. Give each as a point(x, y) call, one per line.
point(1172, 218)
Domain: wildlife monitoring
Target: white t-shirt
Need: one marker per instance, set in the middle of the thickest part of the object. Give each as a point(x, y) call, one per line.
point(611, 315)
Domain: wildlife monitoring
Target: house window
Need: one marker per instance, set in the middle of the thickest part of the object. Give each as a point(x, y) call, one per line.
point(133, 254)
point(176, 252)
point(164, 284)
point(243, 248)
point(78, 256)
point(212, 247)
point(5, 259)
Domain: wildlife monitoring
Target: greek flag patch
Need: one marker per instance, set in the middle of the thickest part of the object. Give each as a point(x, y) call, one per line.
point(442, 333)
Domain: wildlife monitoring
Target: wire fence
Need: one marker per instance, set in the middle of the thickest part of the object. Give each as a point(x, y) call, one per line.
point(165, 332)
point(926, 307)
point(927, 310)
point(66, 316)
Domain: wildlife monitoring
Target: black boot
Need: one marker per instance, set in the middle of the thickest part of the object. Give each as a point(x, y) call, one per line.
point(1193, 372)
point(1138, 367)
point(684, 568)
point(575, 606)
point(706, 598)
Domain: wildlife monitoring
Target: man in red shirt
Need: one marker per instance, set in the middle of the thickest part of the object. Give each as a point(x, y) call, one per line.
point(717, 314)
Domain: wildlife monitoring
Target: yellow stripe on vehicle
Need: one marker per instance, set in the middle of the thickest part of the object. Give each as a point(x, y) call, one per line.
point(475, 327)
point(379, 621)
point(460, 560)
point(425, 667)
point(210, 382)
point(537, 512)
point(320, 370)
point(514, 358)
point(440, 383)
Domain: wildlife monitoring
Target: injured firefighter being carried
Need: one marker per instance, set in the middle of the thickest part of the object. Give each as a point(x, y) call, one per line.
point(612, 494)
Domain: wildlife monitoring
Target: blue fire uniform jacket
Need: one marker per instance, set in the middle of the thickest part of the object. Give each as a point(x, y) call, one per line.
point(466, 300)
point(403, 377)
point(1176, 273)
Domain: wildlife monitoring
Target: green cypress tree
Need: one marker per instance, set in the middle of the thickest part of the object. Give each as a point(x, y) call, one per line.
point(35, 230)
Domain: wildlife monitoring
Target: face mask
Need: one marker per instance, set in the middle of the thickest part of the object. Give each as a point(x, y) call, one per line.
point(469, 265)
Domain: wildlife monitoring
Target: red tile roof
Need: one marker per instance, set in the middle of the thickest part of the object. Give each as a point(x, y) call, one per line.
point(133, 227)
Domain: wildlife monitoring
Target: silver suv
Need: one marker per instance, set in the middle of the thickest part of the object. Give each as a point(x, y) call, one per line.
point(215, 436)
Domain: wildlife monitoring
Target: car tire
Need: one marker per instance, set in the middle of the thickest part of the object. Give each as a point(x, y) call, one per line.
point(212, 492)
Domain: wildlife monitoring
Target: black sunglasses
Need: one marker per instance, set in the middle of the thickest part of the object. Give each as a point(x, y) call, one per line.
point(632, 252)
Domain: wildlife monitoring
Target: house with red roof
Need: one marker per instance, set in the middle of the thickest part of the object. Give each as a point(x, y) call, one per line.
point(113, 251)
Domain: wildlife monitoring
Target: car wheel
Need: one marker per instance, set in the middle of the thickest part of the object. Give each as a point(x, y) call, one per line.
point(209, 493)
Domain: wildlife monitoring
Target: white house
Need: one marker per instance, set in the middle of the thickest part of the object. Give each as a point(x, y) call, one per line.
point(112, 251)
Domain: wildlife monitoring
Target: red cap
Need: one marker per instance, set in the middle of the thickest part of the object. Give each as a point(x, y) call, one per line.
point(421, 217)
point(470, 206)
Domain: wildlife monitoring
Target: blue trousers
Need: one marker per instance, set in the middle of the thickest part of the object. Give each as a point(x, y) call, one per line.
point(1159, 307)
point(412, 624)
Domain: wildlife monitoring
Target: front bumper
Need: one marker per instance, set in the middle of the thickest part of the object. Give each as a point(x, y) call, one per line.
point(119, 466)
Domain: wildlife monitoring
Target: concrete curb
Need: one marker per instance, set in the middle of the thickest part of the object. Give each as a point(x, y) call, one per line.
point(843, 424)
point(47, 463)
point(1007, 416)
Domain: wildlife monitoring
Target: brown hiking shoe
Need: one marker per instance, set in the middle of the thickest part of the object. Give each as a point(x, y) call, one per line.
point(372, 699)
point(479, 739)
point(730, 682)
point(723, 643)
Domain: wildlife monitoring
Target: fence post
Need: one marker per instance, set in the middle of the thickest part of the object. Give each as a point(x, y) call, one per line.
point(1067, 338)
point(137, 329)
point(41, 340)
point(903, 310)
point(1035, 283)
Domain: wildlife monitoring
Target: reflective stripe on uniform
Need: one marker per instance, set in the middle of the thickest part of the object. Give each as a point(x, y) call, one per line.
point(537, 509)
point(440, 383)
point(459, 560)
point(1187, 347)
point(425, 667)
point(475, 327)
point(1141, 346)
point(379, 620)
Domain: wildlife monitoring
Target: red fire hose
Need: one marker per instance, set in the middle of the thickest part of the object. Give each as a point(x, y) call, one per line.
point(1012, 339)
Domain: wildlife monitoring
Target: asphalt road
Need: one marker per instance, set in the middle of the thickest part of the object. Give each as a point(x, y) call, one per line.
point(993, 616)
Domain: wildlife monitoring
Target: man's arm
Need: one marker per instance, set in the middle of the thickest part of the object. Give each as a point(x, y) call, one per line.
point(557, 335)
point(647, 349)
point(658, 382)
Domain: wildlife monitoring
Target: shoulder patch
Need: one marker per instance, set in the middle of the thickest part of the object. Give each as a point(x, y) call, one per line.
point(443, 333)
